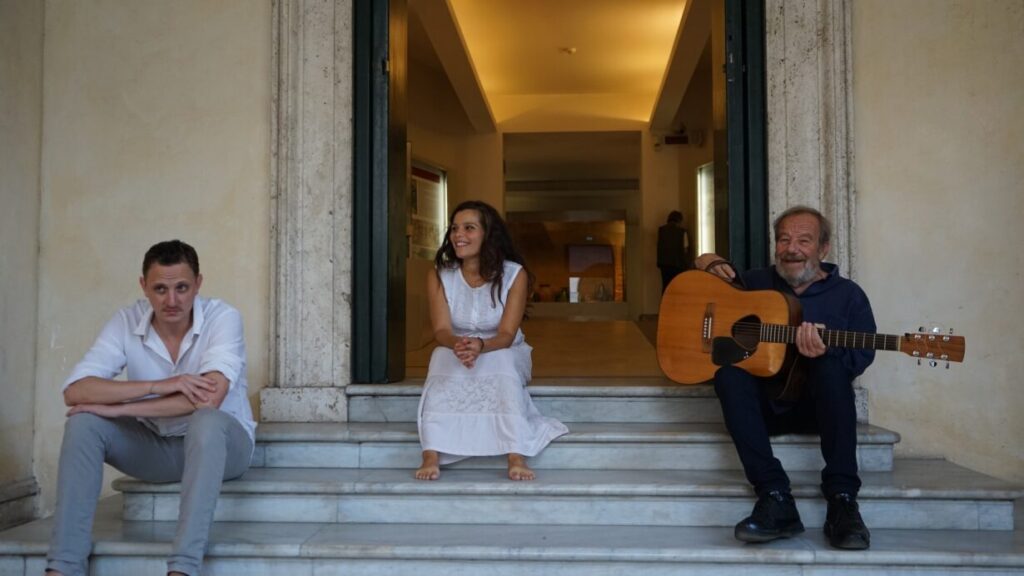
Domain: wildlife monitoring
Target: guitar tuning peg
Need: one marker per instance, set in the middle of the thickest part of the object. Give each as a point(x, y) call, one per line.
point(950, 331)
point(918, 361)
point(933, 363)
point(920, 328)
point(947, 365)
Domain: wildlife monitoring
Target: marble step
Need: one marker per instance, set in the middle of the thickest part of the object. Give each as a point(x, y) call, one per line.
point(917, 494)
point(570, 400)
point(588, 445)
point(317, 549)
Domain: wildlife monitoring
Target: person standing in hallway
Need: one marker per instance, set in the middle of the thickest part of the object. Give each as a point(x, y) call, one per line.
point(182, 414)
point(826, 404)
point(673, 248)
point(475, 401)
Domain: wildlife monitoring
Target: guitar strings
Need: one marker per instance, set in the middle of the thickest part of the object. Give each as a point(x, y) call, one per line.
point(847, 339)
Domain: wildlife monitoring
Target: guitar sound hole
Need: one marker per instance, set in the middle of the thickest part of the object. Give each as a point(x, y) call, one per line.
point(747, 332)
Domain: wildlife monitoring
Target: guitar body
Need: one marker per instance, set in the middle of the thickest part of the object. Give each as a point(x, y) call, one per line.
point(697, 332)
point(706, 323)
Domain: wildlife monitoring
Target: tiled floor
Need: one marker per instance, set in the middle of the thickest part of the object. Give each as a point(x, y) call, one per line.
point(610, 348)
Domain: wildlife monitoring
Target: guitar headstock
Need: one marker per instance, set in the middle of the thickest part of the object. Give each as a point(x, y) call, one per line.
point(933, 345)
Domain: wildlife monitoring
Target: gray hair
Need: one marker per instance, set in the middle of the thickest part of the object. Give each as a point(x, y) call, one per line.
point(824, 225)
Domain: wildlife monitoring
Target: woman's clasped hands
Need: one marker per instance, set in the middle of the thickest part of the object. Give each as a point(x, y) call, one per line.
point(467, 349)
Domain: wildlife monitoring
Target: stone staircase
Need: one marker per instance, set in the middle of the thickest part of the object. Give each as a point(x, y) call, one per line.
point(646, 482)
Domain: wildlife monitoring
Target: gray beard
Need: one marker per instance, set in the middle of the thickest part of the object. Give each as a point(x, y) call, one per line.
point(806, 274)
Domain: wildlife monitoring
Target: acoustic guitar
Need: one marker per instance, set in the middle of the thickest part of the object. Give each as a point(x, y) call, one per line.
point(705, 323)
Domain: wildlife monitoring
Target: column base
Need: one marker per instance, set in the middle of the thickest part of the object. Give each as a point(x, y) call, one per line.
point(304, 404)
point(18, 502)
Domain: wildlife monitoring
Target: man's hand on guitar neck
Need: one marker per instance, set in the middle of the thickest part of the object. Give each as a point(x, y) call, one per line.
point(808, 340)
point(709, 262)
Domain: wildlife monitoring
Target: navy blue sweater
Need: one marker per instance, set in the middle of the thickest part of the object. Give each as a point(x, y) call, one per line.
point(836, 302)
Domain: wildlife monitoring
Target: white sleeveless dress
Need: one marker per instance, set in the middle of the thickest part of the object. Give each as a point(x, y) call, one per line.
point(484, 410)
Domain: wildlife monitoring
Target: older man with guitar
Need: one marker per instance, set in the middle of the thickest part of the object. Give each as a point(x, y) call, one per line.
point(824, 405)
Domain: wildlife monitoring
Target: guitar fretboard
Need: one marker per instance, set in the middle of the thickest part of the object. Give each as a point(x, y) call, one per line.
point(838, 338)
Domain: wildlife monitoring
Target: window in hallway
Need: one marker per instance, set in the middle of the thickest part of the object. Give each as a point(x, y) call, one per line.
point(706, 208)
point(428, 210)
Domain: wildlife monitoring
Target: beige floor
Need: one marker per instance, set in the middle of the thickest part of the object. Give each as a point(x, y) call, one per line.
point(594, 349)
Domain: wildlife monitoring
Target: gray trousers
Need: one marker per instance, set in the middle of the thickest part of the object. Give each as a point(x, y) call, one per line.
point(215, 448)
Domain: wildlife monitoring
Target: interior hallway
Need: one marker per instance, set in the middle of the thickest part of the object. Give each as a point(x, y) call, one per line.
point(590, 349)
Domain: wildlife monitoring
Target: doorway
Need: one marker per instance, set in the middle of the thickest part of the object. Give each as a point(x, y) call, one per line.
point(679, 137)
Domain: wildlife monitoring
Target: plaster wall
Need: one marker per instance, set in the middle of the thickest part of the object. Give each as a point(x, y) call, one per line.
point(21, 70)
point(695, 113)
point(484, 170)
point(659, 186)
point(939, 122)
point(438, 133)
point(155, 126)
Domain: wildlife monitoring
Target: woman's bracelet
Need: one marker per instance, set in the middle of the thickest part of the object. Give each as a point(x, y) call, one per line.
point(481, 344)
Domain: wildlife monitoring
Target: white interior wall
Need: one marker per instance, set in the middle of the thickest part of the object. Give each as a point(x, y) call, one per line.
point(156, 126)
point(939, 123)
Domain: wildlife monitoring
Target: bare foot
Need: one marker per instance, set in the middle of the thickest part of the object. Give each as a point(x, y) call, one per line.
point(517, 468)
point(429, 470)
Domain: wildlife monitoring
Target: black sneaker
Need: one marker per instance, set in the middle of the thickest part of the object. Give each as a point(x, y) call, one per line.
point(774, 517)
point(844, 527)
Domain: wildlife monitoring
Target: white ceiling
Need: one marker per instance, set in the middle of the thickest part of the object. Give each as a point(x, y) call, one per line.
point(518, 50)
point(565, 116)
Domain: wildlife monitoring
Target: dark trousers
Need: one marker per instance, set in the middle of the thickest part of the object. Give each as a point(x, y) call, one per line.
point(668, 273)
point(826, 406)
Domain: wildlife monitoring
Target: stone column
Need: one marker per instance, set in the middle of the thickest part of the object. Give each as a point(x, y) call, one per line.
point(311, 212)
point(810, 122)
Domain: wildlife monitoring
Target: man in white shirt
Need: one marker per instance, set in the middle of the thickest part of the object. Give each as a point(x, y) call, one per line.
point(181, 415)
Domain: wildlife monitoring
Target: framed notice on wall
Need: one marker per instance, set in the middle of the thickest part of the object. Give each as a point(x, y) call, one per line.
point(428, 207)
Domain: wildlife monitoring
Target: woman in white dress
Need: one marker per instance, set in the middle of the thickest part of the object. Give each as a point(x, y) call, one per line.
point(474, 399)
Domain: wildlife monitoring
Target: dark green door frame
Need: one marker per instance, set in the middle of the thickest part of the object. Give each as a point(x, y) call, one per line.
point(379, 189)
point(746, 126)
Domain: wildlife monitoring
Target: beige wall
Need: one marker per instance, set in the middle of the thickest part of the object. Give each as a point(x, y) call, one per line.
point(659, 185)
point(21, 70)
point(939, 125)
point(156, 125)
point(485, 175)
point(438, 133)
point(695, 113)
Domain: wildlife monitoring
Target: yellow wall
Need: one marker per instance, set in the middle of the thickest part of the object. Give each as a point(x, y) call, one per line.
point(156, 125)
point(939, 126)
point(21, 69)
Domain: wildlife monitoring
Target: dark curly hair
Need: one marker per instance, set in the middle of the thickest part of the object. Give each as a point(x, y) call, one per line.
point(496, 248)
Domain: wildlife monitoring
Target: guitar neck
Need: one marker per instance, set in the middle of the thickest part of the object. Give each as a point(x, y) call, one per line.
point(836, 338)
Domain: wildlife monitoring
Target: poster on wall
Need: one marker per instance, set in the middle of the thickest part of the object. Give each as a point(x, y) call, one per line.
point(427, 210)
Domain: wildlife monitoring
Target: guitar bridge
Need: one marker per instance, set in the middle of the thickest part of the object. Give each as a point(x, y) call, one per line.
point(706, 329)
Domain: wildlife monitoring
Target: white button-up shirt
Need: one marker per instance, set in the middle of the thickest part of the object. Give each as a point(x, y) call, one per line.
point(215, 343)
